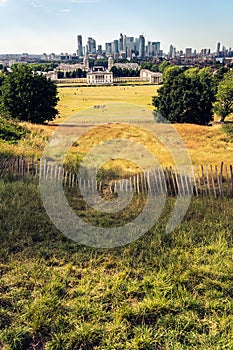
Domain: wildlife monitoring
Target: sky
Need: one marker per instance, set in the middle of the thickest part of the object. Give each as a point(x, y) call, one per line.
point(38, 26)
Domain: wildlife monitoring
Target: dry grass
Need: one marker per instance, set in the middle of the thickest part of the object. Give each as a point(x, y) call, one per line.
point(124, 104)
point(73, 100)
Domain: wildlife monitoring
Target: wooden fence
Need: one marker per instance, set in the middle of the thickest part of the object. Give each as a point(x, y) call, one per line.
point(200, 181)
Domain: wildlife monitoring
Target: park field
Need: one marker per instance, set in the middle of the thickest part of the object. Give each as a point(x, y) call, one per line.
point(123, 104)
point(164, 291)
point(74, 100)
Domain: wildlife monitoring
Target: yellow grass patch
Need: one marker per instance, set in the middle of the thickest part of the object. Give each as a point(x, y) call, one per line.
point(123, 104)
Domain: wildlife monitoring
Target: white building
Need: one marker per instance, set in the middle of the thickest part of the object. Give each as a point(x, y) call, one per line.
point(133, 66)
point(151, 77)
point(69, 67)
point(99, 76)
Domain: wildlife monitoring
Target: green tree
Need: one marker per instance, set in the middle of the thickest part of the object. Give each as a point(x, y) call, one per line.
point(155, 68)
point(224, 104)
point(163, 66)
point(219, 75)
point(171, 72)
point(28, 96)
point(146, 65)
point(186, 98)
point(1, 82)
point(60, 75)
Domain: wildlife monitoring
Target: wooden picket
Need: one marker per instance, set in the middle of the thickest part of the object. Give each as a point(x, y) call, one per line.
point(201, 180)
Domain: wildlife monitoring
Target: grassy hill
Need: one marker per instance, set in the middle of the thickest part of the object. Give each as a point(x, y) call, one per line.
point(204, 144)
point(162, 292)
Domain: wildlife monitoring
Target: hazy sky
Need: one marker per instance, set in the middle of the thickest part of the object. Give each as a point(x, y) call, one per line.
point(37, 26)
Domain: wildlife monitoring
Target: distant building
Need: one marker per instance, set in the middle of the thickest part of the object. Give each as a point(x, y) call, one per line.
point(121, 46)
point(115, 46)
point(52, 57)
point(108, 48)
point(86, 64)
point(69, 67)
point(228, 60)
point(156, 48)
point(99, 51)
point(133, 66)
point(172, 51)
point(99, 76)
point(110, 63)
point(151, 77)
point(80, 45)
point(141, 46)
point(188, 52)
point(91, 46)
point(51, 75)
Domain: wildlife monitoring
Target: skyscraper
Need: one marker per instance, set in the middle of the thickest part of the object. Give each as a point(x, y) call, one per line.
point(124, 43)
point(115, 46)
point(99, 51)
point(130, 44)
point(80, 45)
point(218, 47)
point(141, 46)
point(108, 48)
point(91, 46)
point(149, 49)
point(171, 51)
point(188, 52)
point(156, 48)
point(137, 44)
point(121, 43)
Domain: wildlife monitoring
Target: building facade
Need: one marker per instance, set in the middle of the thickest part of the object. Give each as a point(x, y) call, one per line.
point(99, 76)
point(80, 45)
point(151, 77)
point(141, 46)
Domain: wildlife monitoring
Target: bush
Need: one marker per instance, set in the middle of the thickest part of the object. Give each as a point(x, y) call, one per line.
point(10, 131)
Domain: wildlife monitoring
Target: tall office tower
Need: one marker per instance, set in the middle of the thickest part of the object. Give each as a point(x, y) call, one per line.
point(141, 46)
point(218, 47)
point(91, 46)
point(156, 47)
point(108, 48)
point(205, 52)
point(171, 51)
point(124, 43)
point(188, 52)
point(99, 51)
point(52, 56)
point(137, 44)
point(149, 50)
point(80, 45)
point(121, 43)
point(130, 44)
point(115, 46)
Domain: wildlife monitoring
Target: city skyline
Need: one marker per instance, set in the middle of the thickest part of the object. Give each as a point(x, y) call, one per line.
point(53, 26)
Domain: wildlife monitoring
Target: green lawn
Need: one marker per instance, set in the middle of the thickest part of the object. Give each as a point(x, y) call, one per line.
point(164, 291)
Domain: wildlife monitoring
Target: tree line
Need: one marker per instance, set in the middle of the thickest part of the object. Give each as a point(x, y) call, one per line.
point(78, 73)
point(125, 72)
point(186, 96)
point(193, 95)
